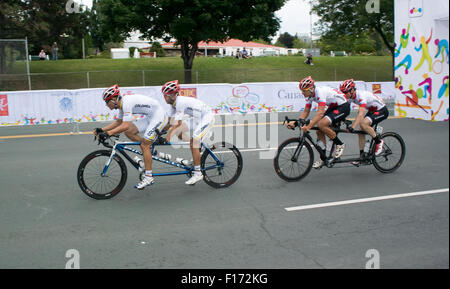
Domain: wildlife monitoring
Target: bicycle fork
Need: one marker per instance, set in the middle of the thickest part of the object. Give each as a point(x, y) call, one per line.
point(108, 162)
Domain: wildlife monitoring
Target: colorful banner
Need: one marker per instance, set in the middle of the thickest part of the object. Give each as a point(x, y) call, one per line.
point(86, 105)
point(4, 105)
point(421, 59)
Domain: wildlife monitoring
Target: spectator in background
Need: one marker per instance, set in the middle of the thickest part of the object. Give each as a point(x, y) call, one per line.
point(55, 51)
point(42, 55)
point(245, 54)
point(309, 59)
point(238, 54)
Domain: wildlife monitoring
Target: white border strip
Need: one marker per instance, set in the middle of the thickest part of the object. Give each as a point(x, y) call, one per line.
point(331, 204)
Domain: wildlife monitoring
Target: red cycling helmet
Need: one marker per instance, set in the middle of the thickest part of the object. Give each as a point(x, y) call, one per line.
point(111, 92)
point(347, 85)
point(170, 87)
point(306, 83)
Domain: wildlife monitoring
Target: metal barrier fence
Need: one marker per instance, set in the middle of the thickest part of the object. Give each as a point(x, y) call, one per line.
point(93, 79)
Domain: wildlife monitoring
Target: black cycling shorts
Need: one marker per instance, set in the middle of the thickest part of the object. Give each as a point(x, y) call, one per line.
point(378, 116)
point(337, 113)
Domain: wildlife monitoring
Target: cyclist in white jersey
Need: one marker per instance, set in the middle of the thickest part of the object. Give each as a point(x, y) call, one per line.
point(200, 114)
point(128, 121)
point(377, 112)
point(338, 109)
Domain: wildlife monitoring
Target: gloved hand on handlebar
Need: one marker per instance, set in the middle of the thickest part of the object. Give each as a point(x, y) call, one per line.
point(161, 141)
point(98, 131)
point(102, 136)
point(301, 122)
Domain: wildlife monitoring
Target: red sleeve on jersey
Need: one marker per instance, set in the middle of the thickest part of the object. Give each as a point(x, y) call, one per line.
point(363, 105)
point(322, 104)
point(308, 105)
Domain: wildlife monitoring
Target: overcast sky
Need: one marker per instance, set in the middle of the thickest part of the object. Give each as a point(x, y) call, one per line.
point(294, 16)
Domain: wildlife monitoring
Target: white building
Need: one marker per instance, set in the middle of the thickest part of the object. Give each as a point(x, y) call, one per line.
point(135, 41)
point(230, 48)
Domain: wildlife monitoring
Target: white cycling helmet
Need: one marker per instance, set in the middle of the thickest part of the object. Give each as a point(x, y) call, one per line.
point(170, 88)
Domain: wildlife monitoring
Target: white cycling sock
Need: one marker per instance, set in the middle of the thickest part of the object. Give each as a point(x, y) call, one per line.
point(197, 170)
point(148, 174)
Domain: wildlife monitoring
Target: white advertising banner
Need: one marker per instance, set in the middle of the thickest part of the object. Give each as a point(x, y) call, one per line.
point(421, 59)
point(86, 105)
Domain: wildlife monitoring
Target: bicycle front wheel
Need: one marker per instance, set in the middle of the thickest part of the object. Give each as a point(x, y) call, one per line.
point(217, 175)
point(293, 160)
point(94, 183)
point(393, 154)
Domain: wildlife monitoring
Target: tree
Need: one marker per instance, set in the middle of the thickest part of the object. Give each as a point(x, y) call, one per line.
point(286, 39)
point(190, 21)
point(43, 22)
point(156, 47)
point(363, 44)
point(12, 26)
point(98, 37)
point(350, 18)
point(299, 43)
point(262, 41)
point(349, 43)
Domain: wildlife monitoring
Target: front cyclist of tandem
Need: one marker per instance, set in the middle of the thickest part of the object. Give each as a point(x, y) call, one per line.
point(338, 110)
point(377, 112)
point(130, 108)
point(201, 116)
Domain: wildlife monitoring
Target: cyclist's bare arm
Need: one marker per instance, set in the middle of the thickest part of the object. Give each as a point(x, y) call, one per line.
point(123, 126)
point(303, 115)
point(359, 117)
point(173, 130)
point(113, 125)
point(168, 125)
point(110, 126)
point(319, 115)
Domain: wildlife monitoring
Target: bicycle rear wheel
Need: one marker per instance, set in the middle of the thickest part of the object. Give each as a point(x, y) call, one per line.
point(293, 160)
point(217, 176)
point(393, 154)
point(96, 185)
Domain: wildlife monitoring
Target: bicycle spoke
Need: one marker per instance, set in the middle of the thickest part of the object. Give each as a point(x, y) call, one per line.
point(224, 174)
point(392, 154)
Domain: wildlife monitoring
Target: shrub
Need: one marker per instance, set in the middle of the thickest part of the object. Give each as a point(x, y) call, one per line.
point(156, 47)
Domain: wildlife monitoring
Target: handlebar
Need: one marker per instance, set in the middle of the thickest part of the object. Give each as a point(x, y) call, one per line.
point(159, 140)
point(298, 122)
point(302, 122)
point(105, 142)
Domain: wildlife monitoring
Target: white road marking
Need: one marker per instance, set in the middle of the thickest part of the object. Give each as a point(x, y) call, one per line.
point(254, 150)
point(246, 150)
point(355, 201)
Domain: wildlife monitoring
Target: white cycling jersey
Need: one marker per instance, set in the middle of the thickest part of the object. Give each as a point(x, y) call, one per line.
point(154, 115)
point(133, 104)
point(201, 116)
point(368, 100)
point(326, 96)
point(191, 106)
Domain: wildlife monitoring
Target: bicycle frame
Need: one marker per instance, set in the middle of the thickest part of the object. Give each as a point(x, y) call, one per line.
point(122, 147)
point(330, 160)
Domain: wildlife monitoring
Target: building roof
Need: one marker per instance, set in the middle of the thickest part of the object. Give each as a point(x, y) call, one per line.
point(229, 43)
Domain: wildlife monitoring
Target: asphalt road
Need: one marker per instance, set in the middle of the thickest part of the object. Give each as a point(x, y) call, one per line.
point(43, 212)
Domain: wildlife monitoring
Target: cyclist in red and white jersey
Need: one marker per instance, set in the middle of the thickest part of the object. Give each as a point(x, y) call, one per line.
point(338, 109)
point(154, 118)
point(201, 117)
point(377, 112)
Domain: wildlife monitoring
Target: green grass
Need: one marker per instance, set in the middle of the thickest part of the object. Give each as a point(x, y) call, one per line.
point(129, 72)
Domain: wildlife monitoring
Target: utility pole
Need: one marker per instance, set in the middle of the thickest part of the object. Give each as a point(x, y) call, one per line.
point(82, 43)
point(311, 26)
point(28, 62)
